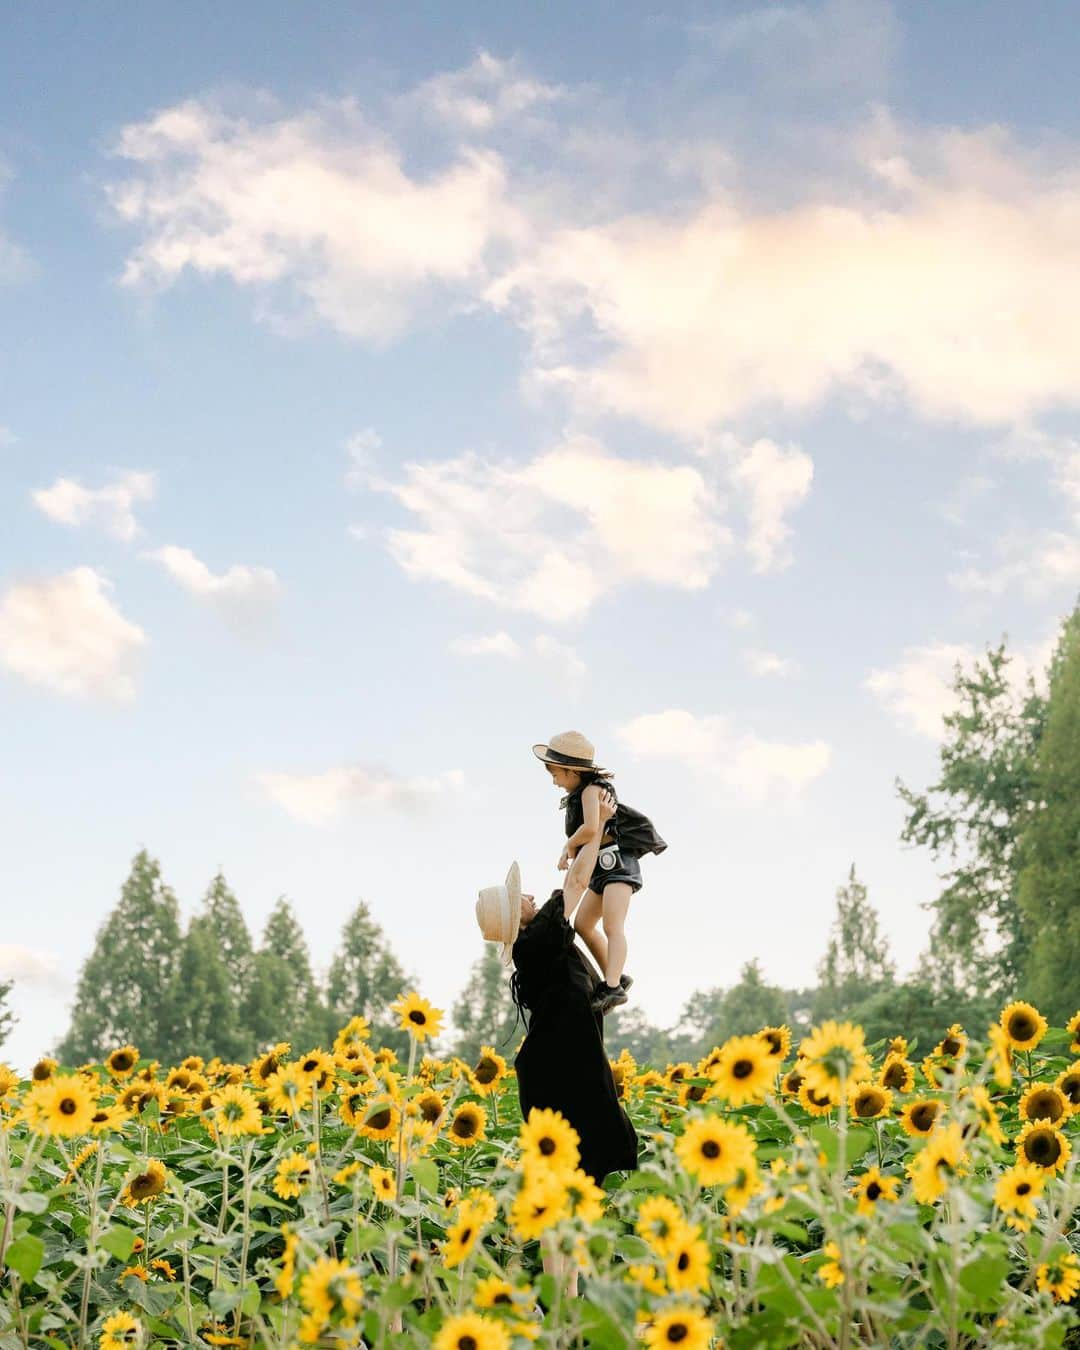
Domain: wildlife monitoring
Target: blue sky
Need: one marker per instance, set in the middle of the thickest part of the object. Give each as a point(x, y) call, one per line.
point(381, 392)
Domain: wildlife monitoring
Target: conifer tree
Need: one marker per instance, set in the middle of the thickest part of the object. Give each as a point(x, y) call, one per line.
point(230, 931)
point(365, 977)
point(7, 1017)
point(484, 1013)
point(124, 987)
point(283, 1002)
point(1049, 887)
point(856, 963)
point(208, 1016)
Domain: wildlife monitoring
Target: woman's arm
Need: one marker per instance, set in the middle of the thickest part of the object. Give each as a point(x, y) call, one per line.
point(578, 879)
point(589, 829)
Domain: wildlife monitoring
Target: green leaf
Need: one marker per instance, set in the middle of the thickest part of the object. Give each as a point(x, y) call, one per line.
point(32, 1202)
point(426, 1174)
point(600, 1328)
point(24, 1257)
point(632, 1248)
point(223, 1301)
point(985, 1278)
point(118, 1241)
point(249, 1304)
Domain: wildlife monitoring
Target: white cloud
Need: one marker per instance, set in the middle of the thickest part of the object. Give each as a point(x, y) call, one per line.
point(565, 660)
point(956, 507)
point(553, 535)
point(65, 634)
point(30, 967)
point(768, 663)
point(483, 95)
point(748, 767)
point(361, 447)
point(242, 594)
point(112, 507)
point(490, 644)
point(774, 480)
point(1038, 561)
point(321, 201)
point(320, 798)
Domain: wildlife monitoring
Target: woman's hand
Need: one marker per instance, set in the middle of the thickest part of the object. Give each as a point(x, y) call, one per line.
point(564, 860)
point(608, 806)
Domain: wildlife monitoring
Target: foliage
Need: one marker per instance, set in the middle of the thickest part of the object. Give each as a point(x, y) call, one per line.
point(364, 977)
point(484, 1013)
point(856, 965)
point(7, 1017)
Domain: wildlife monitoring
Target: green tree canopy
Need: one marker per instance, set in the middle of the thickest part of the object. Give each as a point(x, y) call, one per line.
point(365, 977)
point(283, 1002)
point(856, 964)
point(7, 1017)
point(484, 1013)
point(711, 1016)
point(119, 996)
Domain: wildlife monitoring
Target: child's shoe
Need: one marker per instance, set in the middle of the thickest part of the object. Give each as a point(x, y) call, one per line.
point(607, 998)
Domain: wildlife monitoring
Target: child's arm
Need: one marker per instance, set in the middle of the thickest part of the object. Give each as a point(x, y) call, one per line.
point(589, 829)
point(577, 881)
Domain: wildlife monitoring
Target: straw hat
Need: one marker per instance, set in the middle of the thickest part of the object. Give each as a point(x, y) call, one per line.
point(570, 749)
point(498, 911)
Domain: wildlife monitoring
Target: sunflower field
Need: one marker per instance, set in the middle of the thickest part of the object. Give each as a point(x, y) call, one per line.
point(827, 1195)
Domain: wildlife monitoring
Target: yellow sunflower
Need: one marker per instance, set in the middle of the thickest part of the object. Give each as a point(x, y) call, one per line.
point(1015, 1194)
point(493, 1292)
point(430, 1106)
point(268, 1063)
point(62, 1106)
point(659, 1222)
point(778, 1040)
point(163, 1267)
point(1072, 1026)
point(357, 1028)
point(936, 1163)
point(471, 1331)
point(145, 1185)
point(792, 1081)
point(121, 1063)
point(919, 1117)
point(873, 1189)
point(119, 1330)
point(383, 1183)
point(999, 1055)
point(586, 1197)
point(986, 1114)
point(1067, 1082)
point(417, 1016)
point(682, 1327)
point(286, 1276)
point(897, 1074)
point(836, 1057)
point(868, 1101)
point(330, 1287)
point(689, 1261)
point(831, 1272)
point(379, 1120)
point(468, 1125)
point(713, 1150)
point(541, 1201)
point(745, 1070)
point(289, 1089)
point(548, 1139)
point(747, 1183)
point(236, 1111)
point(1042, 1143)
point(897, 1046)
point(461, 1237)
point(44, 1069)
point(488, 1072)
point(952, 1045)
point(354, 1057)
point(318, 1067)
point(1024, 1025)
point(818, 1101)
point(1060, 1278)
point(648, 1277)
point(1043, 1102)
point(292, 1175)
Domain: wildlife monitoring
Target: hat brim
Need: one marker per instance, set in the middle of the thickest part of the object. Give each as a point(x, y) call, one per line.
point(513, 890)
point(543, 753)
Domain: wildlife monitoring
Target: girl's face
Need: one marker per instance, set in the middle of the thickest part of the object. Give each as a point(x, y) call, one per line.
point(567, 779)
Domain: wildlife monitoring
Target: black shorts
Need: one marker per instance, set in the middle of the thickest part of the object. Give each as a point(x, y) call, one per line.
point(612, 864)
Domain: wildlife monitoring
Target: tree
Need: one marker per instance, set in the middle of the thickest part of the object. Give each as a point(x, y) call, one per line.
point(973, 817)
point(7, 1017)
point(365, 977)
point(632, 1031)
point(135, 959)
point(283, 1002)
point(229, 929)
point(1049, 884)
point(856, 964)
point(214, 981)
point(484, 1013)
point(710, 1017)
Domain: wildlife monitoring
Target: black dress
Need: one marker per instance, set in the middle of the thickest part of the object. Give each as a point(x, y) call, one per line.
point(562, 1063)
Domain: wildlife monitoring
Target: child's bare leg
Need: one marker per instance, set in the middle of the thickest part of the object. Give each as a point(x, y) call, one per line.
point(614, 905)
point(585, 925)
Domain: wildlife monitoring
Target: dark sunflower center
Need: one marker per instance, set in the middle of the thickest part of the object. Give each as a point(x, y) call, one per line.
point(710, 1149)
point(1044, 1106)
point(1024, 1188)
point(1043, 1147)
point(466, 1234)
point(794, 1082)
point(950, 1046)
point(894, 1076)
point(419, 1019)
point(68, 1106)
point(772, 1040)
point(466, 1343)
point(873, 1191)
point(1021, 1027)
point(742, 1068)
point(867, 1104)
point(99, 1117)
point(502, 1297)
point(486, 1071)
point(923, 1117)
point(121, 1061)
point(697, 1092)
point(684, 1261)
point(1071, 1088)
point(465, 1127)
point(547, 1146)
point(678, 1331)
point(380, 1119)
point(819, 1099)
point(310, 1065)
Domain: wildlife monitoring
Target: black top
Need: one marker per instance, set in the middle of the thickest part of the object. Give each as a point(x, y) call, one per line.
point(634, 833)
point(562, 1064)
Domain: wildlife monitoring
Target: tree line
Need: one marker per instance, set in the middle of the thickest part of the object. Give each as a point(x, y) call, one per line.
point(1002, 819)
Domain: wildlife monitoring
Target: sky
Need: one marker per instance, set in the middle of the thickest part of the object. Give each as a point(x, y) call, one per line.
point(386, 389)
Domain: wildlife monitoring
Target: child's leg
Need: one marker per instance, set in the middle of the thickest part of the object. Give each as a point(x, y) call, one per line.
point(585, 921)
point(614, 905)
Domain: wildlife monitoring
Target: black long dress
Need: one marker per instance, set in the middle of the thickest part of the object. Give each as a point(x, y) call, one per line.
point(562, 1063)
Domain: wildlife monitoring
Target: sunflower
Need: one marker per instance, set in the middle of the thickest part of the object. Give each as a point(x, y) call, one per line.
point(541, 1201)
point(999, 1055)
point(488, 1071)
point(236, 1111)
point(84, 1155)
point(831, 1272)
point(897, 1046)
point(745, 1070)
point(9, 1081)
point(792, 1081)
point(681, 1326)
point(286, 1276)
point(1060, 1278)
point(121, 1063)
point(1043, 1102)
point(547, 1139)
point(1068, 1083)
point(660, 1222)
point(468, 1125)
point(713, 1151)
point(461, 1237)
point(952, 1045)
point(318, 1067)
point(867, 1101)
point(835, 1055)
point(292, 1175)
point(897, 1074)
point(383, 1184)
point(289, 1089)
point(119, 1330)
point(694, 1092)
point(268, 1063)
point(778, 1040)
point(689, 1261)
point(1024, 1025)
point(872, 1189)
point(44, 1069)
point(919, 1117)
point(1072, 1026)
point(648, 1277)
point(470, 1331)
point(417, 1016)
point(62, 1106)
point(345, 1174)
point(357, 1028)
point(136, 1272)
point(354, 1057)
point(493, 1292)
point(586, 1197)
point(483, 1205)
point(145, 1185)
point(675, 1073)
point(985, 1112)
point(430, 1106)
point(1016, 1191)
point(330, 1286)
point(1041, 1143)
point(941, 1158)
point(816, 1101)
point(747, 1183)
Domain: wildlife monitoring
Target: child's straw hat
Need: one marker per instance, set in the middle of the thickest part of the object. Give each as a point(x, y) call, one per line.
point(570, 749)
point(498, 911)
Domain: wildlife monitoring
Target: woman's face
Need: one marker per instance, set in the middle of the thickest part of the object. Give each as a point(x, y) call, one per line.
point(567, 779)
point(528, 909)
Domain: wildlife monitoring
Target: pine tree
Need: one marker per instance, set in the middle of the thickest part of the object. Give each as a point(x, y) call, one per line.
point(7, 1017)
point(856, 963)
point(283, 1002)
point(484, 1013)
point(364, 978)
point(119, 997)
point(230, 931)
point(209, 1019)
point(1049, 887)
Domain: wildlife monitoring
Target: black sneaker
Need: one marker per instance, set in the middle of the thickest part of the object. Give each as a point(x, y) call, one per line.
point(607, 998)
point(626, 981)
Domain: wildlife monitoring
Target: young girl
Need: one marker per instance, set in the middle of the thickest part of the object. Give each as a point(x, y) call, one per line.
point(601, 860)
